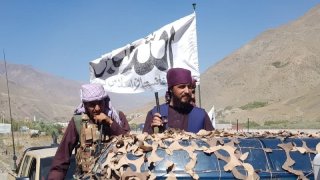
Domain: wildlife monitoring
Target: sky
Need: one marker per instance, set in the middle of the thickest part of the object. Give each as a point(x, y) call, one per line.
point(61, 37)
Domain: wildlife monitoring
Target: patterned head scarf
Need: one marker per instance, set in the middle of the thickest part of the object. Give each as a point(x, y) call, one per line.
point(96, 92)
point(92, 92)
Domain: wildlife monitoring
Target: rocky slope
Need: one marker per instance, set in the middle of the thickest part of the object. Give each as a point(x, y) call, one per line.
point(47, 97)
point(281, 67)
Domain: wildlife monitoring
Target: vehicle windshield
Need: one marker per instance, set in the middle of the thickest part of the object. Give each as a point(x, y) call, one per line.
point(46, 164)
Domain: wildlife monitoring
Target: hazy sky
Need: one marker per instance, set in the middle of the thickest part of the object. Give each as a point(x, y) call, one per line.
point(61, 36)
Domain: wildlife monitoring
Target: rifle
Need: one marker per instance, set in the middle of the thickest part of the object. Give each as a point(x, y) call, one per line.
point(158, 129)
point(99, 144)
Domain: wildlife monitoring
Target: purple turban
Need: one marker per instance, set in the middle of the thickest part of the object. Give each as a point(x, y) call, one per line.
point(177, 76)
point(92, 92)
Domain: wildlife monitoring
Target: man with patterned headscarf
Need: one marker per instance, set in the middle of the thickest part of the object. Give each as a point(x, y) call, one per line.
point(94, 120)
point(178, 112)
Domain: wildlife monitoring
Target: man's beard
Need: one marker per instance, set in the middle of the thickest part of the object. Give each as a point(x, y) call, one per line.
point(177, 101)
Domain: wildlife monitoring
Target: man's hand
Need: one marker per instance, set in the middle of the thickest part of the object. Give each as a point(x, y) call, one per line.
point(102, 117)
point(156, 121)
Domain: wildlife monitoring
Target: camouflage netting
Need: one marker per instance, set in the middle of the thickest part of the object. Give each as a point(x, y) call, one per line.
point(146, 156)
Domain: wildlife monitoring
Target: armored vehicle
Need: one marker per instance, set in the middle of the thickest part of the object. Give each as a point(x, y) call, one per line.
point(207, 155)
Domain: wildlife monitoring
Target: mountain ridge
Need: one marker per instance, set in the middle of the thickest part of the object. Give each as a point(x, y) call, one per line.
point(279, 68)
point(40, 95)
point(275, 67)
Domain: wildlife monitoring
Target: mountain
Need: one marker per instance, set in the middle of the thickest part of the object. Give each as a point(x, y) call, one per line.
point(280, 67)
point(36, 94)
point(277, 74)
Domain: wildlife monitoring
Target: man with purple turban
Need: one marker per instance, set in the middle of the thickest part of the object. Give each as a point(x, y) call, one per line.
point(94, 120)
point(178, 113)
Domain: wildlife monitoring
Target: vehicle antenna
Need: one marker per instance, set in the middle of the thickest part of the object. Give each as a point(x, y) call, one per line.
point(13, 145)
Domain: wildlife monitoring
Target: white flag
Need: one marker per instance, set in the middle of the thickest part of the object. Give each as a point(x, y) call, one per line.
point(212, 116)
point(142, 65)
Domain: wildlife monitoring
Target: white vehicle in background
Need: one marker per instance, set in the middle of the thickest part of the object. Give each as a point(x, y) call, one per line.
point(36, 162)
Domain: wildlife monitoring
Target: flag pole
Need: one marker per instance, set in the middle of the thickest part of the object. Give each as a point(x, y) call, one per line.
point(199, 93)
point(199, 96)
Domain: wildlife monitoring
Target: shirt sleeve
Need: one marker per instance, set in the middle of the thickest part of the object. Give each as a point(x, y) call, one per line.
point(147, 125)
point(61, 160)
point(118, 129)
